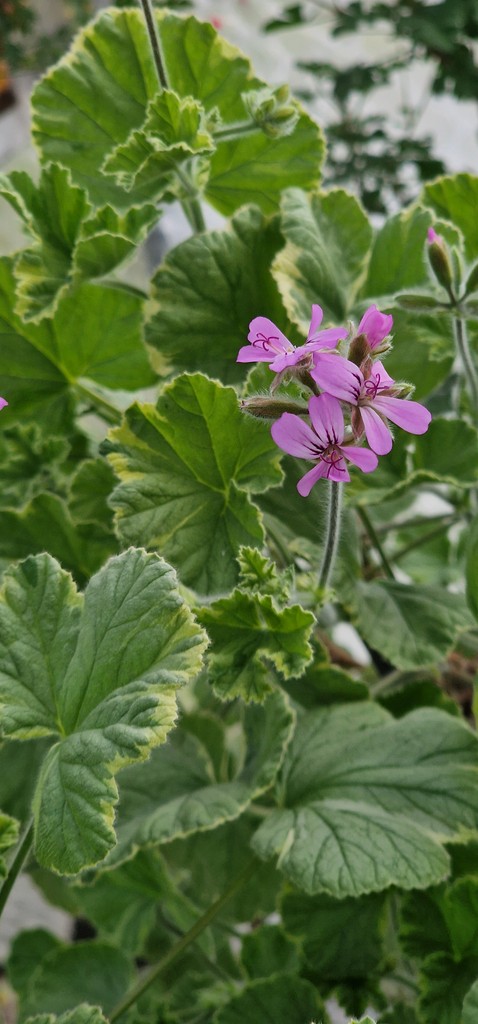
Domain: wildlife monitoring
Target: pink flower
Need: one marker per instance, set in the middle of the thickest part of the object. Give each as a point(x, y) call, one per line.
point(323, 442)
point(269, 345)
point(3, 403)
point(374, 398)
point(433, 237)
point(375, 325)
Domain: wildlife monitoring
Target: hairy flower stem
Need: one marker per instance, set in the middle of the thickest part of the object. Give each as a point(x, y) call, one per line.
point(183, 942)
point(16, 866)
point(333, 533)
point(468, 365)
point(191, 205)
point(367, 522)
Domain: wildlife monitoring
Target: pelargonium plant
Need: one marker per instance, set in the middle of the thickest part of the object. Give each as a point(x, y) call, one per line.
point(237, 711)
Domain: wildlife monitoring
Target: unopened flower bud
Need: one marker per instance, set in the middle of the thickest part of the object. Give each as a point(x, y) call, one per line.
point(274, 112)
point(402, 390)
point(440, 262)
point(359, 349)
point(271, 408)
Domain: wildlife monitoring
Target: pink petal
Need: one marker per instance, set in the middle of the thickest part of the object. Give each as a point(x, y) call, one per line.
point(307, 482)
point(375, 325)
point(385, 380)
point(326, 339)
point(338, 376)
point(294, 436)
point(376, 431)
point(3, 403)
point(253, 354)
point(315, 321)
point(411, 416)
point(362, 457)
point(263, 329)
point(285, 359)
point(327, 419)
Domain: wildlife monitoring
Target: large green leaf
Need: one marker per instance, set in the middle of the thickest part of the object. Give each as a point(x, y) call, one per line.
point(455, 198)
point(186, 468)
point(444, 984)
point(397, 259)
point(65, 975)
point(422, 621)
point(328, 237)
point(96, 333)
point(173, 795)
point(366, 802)
point(249, 634)
point(99, 93)
point(340, 938)
point(69, 240)
point(442, 920)
point(284, 999)
point(99, 675)
point(207, 291)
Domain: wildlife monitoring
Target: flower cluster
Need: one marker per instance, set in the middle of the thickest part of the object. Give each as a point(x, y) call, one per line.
point(359, 383)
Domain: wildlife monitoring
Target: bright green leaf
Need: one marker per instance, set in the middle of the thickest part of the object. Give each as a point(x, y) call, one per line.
point(172, 795)
point(327, 241)
point(366, 802)
point(8, 837)
point(397, 260)
point(186, 468)
point(98, 95)
point(68, 240)
point(207, 291)
point(99, 674)
point(422, 621)
point(249, 634)
point(82, 1014)
point(284, 999)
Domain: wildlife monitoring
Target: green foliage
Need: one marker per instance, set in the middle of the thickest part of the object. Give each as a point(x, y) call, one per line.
point(184, 487)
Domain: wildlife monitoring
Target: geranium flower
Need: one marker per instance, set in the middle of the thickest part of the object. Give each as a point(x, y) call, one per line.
point(375, 400)
point(3, 403)
point(323, 442)
point(270, 345)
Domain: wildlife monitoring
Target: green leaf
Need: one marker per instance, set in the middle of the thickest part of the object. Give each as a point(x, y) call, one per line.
point(366, 802)
point(397, 259)
point(96, 333)
point(324, 684)
point(340, 938)
point(92, 971)
point(173, 795)
point(90, 488)
point(445, 984)
point(207, 291)
point(268, 951)
point(327, 241)
point(27, 950)
point(285, 999)
point(259, 575)
point(186, 468)
point(472, 567)
point(449, 450)
point(250, 634)
point(422, 621)
point(82, 1014)
point(69, 242)
point(470, 1005)
point(174, 130)
point(19, 767)
point(455, 198)
point(45, 524)
point(90, 103)
point(31, 462)
point(423, 351)
point(8, 837)
point(98, 674)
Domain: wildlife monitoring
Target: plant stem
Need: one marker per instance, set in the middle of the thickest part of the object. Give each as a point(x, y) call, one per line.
point(367, 522)
point(332, 535)
point(16, 866)
point(235, 131)
point(105, 409)
point(191, 207)
point(183, 942)
point(155, 42)
point(463, 349)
